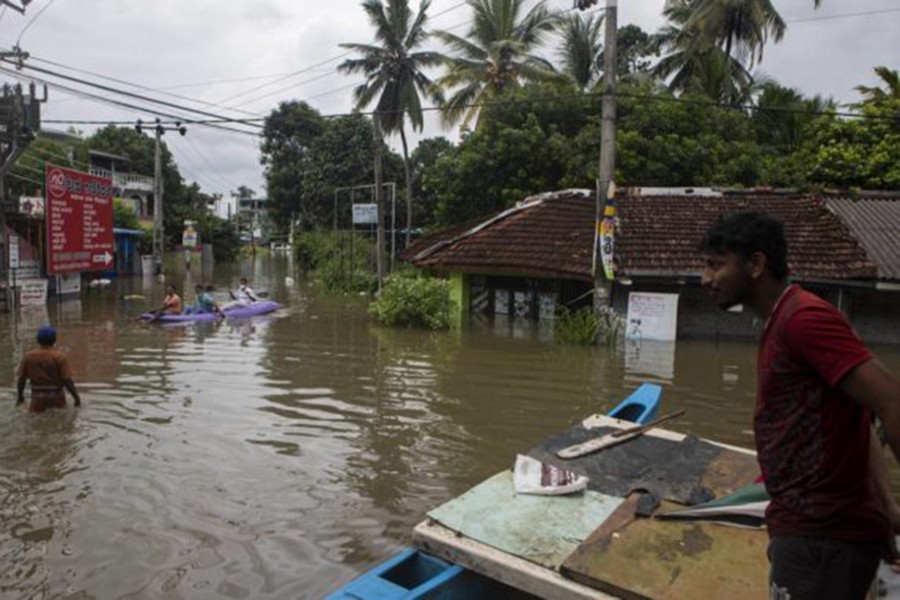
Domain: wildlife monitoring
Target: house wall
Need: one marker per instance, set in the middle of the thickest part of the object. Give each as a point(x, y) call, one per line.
point(698, 315)
point(533, 299)
point(875, 315)
point(459, 296)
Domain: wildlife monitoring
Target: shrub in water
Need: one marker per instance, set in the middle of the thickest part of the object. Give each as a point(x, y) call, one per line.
point(411, 300)
point(586, 327)
point(328, 256)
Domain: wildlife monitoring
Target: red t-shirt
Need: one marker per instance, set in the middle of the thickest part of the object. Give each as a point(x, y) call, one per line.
point(812, 439)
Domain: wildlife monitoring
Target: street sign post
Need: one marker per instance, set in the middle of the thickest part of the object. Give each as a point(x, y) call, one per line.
point(79, 211)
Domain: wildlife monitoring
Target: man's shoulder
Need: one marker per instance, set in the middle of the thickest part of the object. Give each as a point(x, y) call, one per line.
point(44, 353)
point(806, 304)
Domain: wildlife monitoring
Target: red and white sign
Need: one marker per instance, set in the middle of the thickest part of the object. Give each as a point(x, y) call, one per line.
point(79, 221)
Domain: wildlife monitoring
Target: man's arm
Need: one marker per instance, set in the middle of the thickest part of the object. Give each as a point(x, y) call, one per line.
point(871, 385)
point(70, 385)
point(21, 389)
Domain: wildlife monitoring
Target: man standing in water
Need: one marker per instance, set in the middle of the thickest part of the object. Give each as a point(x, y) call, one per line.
point(831, 511)
point(48, 370)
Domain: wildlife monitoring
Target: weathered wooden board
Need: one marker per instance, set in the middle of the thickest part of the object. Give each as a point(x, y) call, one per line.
point(542, 529)
point(647, 558)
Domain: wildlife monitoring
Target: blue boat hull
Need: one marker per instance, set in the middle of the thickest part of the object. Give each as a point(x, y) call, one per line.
point(416, 575)
point(642, 406)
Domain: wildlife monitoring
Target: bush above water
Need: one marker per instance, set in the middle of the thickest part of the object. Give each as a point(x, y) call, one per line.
point(328, 256)
point(586, 327)
point(412, 300)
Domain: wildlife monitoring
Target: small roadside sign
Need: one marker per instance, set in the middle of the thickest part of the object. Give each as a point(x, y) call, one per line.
point(33, 292)
point(365, 214)
point(13, 252)
point(189, 237)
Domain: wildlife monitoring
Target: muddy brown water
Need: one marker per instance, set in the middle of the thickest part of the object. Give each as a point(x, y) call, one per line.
point(281, 456)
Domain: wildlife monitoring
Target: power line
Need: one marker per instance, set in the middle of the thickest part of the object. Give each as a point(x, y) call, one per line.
point(105, 100)
point(845, 15)
point(288, 76)
point(33, 19)
point(128, 94)
point(593, 97)
point(139, 86)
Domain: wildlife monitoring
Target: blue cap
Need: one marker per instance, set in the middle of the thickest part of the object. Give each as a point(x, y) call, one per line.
point(46, 335)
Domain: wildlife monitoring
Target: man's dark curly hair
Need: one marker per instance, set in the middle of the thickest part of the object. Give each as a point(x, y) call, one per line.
point(748, 232)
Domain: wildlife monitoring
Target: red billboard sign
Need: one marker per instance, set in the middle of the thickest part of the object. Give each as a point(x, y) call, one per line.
point(79, 221)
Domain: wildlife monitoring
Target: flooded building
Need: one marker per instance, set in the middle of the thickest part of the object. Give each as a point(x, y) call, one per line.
point(527, 261)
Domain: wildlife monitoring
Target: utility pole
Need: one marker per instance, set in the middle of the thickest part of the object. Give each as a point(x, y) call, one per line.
point(21, 119)
point(159, 239)
point(602, 280)
point(379, 205)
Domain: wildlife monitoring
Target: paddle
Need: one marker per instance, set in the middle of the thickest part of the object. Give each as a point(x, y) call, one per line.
point(612, 439)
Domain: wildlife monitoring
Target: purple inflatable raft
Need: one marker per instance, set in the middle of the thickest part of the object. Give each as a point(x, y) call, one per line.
point(240, 312)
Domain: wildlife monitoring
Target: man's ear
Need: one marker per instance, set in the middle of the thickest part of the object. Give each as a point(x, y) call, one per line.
point(756, 265)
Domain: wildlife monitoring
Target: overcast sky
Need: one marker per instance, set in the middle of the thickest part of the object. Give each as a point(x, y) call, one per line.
point(250, 55)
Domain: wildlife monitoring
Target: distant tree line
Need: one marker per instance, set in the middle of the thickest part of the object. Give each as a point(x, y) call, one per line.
point(692, 111)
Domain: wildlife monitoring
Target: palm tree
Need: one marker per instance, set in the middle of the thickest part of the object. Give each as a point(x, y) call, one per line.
point(580, 48)
point(741, 25)
point(694, 64)
point(782, 115)
point(394, 73)
point(876, 95)
point(496, 55)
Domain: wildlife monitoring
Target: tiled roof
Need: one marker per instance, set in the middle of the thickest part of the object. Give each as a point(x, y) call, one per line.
point(543, 238)
point(875, 222)
point(552, 236)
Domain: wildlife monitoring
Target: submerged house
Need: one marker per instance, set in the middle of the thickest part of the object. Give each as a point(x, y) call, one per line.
point(528, 260)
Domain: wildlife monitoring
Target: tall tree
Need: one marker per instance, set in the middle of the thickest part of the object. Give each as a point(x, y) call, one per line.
point(580, 48)
point(694, 64)
point(739, 26)
point(495, 55)
point(394, 73)
point(288, 134)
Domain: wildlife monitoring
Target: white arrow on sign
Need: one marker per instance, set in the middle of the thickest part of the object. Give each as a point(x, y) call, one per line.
point(104, 258)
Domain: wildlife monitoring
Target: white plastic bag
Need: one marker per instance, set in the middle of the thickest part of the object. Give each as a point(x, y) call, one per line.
point(531, 476)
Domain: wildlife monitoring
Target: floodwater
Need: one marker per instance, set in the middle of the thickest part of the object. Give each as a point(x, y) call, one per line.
point(280, 457)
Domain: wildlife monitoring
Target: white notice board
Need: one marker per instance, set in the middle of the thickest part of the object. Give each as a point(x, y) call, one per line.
point(652, 316)
point(365, 214)
point(33, 292)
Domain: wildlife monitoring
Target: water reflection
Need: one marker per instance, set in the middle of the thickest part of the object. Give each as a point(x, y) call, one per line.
point(275, 457)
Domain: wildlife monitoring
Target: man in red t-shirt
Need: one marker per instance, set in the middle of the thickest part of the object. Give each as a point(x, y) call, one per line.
point(831, 512)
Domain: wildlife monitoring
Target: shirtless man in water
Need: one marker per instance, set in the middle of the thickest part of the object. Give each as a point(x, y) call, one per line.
point(48, 370)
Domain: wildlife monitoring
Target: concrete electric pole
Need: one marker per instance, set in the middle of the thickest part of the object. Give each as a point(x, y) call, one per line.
point(159, 239)
point(602, 279)
point(20, 120)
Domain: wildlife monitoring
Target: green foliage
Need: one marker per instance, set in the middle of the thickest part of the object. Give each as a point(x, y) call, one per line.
point(576, 326)
point(426, 154)
point(27, 175)
point(123, 216)
point(306, 158)
point(409, 299)
point(328, 256)
point(587, 327)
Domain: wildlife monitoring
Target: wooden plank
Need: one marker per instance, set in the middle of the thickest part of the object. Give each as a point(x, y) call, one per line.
point(647, 558)
point(513, 571)
point(541, 529)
